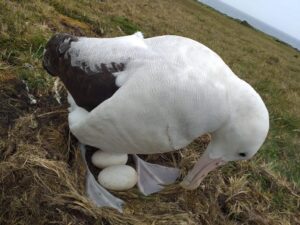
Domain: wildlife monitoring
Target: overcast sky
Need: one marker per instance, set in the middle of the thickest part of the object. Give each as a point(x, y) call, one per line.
point(281, 14)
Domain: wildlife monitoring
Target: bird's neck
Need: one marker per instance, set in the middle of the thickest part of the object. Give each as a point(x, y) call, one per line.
point(246, 127)
point(244, 100)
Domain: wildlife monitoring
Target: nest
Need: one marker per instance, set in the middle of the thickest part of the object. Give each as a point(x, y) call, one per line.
point(42, 178)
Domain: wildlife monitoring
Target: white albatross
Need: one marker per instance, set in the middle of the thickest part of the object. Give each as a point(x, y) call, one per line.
point(155, 95)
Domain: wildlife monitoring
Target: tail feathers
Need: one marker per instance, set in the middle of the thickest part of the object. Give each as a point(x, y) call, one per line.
point(76, 115)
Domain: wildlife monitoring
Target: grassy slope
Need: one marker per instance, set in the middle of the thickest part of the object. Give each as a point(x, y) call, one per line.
point(271, 67)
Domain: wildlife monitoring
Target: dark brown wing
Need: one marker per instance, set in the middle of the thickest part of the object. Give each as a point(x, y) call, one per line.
point(88, 88)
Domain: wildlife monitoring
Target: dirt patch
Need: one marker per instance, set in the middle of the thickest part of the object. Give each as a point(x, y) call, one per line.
point(13, 101)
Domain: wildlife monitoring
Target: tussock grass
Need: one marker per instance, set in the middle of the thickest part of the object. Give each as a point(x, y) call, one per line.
point(41, 172)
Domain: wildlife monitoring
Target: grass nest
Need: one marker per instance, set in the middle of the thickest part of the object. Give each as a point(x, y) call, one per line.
point(42, 178)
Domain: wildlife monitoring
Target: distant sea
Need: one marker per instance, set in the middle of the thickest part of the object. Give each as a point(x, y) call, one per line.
point(237, 14)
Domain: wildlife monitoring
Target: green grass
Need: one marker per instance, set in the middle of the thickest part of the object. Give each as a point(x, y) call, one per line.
point(126, 26)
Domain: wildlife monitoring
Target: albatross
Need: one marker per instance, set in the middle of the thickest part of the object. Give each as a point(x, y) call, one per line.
point(139, 95)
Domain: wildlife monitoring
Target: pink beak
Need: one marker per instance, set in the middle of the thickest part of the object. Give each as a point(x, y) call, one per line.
point(203, 166)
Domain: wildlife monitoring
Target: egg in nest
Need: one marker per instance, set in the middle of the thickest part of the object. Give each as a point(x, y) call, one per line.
point(115, 175)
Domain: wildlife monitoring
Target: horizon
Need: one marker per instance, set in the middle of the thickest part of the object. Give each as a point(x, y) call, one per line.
point(256, 21)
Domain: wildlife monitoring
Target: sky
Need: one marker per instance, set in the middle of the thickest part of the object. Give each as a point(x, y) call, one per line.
point(281, 14)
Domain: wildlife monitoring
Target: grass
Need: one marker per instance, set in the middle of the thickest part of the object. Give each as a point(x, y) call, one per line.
point(41, 174)
point(125, 25)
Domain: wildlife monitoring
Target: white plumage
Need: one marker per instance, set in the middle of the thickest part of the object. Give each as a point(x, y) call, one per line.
point(173, 90)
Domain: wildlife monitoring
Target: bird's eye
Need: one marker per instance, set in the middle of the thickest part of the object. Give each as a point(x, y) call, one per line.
point(242, 154)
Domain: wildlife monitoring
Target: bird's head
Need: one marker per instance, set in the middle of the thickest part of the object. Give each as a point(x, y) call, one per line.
point(239, 138)
point(55, 51)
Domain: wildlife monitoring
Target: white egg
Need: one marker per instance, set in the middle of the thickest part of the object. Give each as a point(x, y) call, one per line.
point(102, 159)
point(118, 178)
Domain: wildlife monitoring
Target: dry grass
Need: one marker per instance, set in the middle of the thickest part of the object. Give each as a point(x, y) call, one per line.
point(41, 172)
point(42, 182)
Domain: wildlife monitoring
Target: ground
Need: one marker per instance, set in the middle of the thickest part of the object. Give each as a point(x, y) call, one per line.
point(41, 171)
